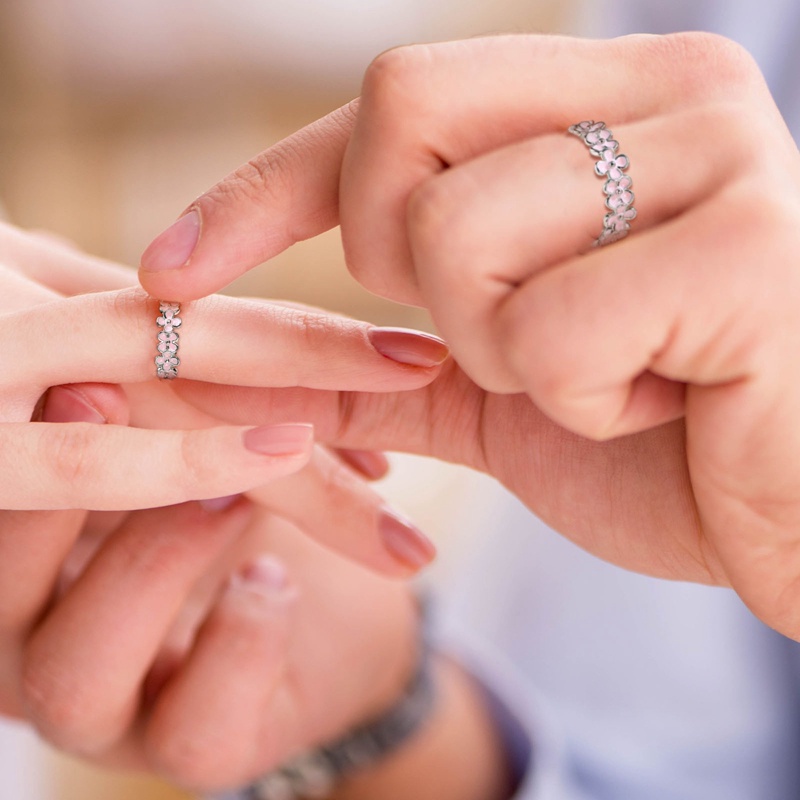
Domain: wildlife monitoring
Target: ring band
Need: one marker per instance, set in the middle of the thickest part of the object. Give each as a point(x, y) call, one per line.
point(610, 165)
point(167, 360)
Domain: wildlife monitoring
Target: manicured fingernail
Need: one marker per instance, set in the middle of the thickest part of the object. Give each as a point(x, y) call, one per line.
point(266, 573)
point(267, 577)
point(279, 440)
point(67, 405)
point(409, 347)
point(370, 464)
point(405, 541)
point(216, 505)
point(173, 248)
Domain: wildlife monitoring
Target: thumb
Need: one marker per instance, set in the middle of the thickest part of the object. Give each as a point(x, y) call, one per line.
point(86, 402)
point(286, 194)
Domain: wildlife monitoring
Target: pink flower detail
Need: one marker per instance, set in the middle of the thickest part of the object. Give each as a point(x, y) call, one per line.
point(619, 193)
point(600, 141)
point(168, 322)
point(167, 363)
point(619, 220)
point(588, 126)
point(611, 165)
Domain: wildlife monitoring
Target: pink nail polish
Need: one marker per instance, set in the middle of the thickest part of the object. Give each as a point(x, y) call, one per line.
point(405, 541)
point(409, 347)
point(174, 247)
point(64, 404)
point(279, 440)
point(370, 464)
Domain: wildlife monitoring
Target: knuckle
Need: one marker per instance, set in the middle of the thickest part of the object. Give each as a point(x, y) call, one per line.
point(396, 75)
point(265, 178)
point(198, 465)
point(158, 554)
point(758, 220)
point(69, 453)
point(432, 212)
point(60, 708)
point(705, 65)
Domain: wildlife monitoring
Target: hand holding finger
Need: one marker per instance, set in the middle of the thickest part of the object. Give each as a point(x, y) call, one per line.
point(82, 671)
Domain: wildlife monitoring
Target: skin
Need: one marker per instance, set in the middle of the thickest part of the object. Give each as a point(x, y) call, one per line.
point(636, 397)
point(113, 625)
point(171, 453)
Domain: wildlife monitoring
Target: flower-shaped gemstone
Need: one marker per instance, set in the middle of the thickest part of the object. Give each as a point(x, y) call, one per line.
point(167, 362)
point(611, 165)
point(588, 126)
point(619, 193)
point(619, 220)
point(600, 141)
point(169, 323)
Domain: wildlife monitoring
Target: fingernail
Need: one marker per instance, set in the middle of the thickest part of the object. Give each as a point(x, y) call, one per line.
point(405, 541)
point(173, 248)
point(370, 464)
point(265, 576)
point(408, 346)
point(279, 440)
point(266, 573)
point(216, 505)
point(67, 405)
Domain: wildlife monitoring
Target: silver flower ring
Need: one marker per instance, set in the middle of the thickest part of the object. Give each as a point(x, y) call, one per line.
point(610, 165)
point(167, 360)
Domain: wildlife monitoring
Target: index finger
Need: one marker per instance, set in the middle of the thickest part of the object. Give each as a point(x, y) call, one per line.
point(284, 195)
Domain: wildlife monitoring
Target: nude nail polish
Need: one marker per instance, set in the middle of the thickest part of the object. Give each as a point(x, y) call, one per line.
point(174, 247)
point(408, 346)
point(279, 440)
point(407, 543)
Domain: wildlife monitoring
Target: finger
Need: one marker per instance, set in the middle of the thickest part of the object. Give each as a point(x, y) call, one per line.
point(428, 107)
point(209, 740)
point(119, 468)
point(59, 266)
point(222, 340)
point(20, 292)
point(35, 544)
point(86, 663)
point(443, 419)
point(286, 194)
point(86, 402)
point(338, 509)
point(372, 465)
point(481, 229)
point(678, 287)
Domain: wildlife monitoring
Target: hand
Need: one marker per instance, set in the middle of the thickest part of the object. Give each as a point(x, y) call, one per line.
point(109, 336)
point(638, 397)
point(150, 658)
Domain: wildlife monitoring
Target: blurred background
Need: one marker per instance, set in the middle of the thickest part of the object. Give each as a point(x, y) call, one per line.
point(116, 114)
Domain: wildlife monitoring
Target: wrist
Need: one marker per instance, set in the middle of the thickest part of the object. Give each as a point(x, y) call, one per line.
point(457, 755)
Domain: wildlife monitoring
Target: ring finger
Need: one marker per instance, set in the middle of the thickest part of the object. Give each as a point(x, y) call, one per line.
point(480, 230)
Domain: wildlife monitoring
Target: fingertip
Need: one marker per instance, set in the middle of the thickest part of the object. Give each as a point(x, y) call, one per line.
point(97, 403)
point(371, 464)
point(173, 248)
